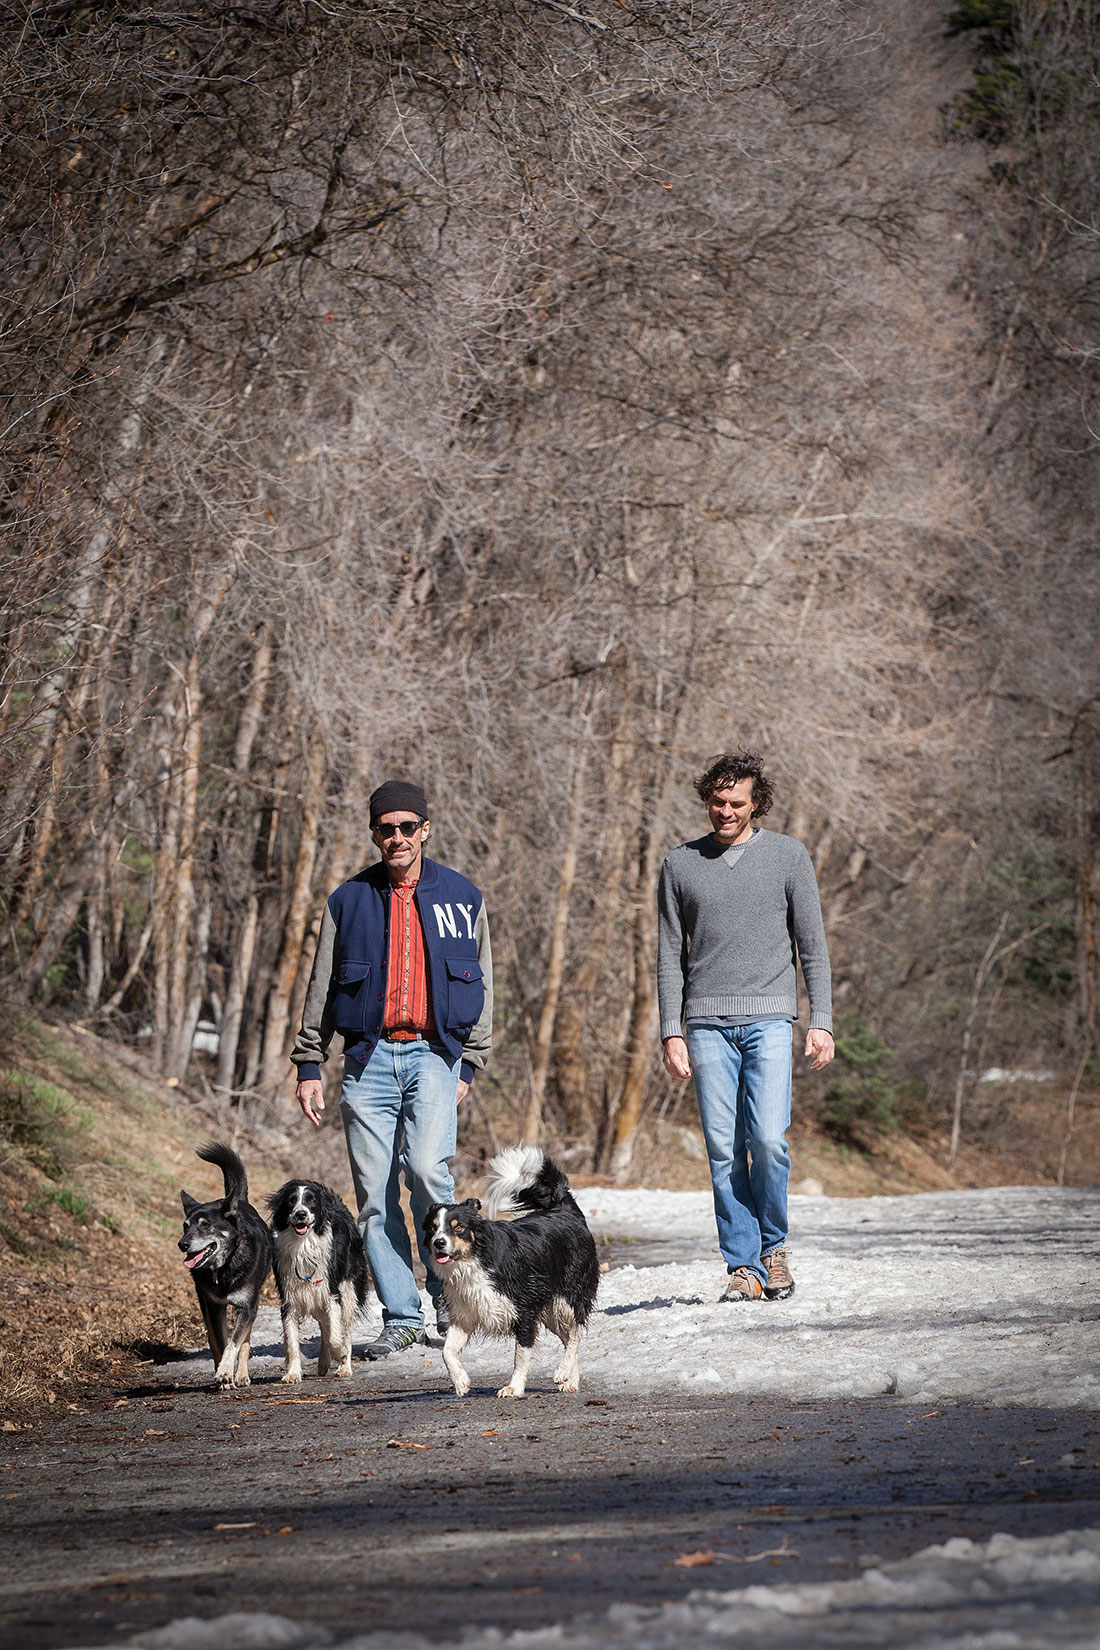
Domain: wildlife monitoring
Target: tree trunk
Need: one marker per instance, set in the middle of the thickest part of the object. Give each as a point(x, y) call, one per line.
point(555, 967)
point(71, 891)
point(230, 1029)
point(640, 1038)
point(992, 955)
point(274, 1050)
point(177, 1049)
point(244, 946)
point(968, 1032)
point(96, 929)
point(197, 988)
point(1086, 891)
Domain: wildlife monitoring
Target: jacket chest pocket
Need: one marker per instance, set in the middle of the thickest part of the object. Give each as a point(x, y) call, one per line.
point(351, 996)
point(465, 992)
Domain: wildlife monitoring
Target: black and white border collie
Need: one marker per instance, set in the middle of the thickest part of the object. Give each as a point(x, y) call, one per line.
point(504, 1278)
point(320, 1271)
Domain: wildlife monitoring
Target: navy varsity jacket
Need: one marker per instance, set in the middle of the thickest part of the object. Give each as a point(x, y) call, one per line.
point(347, 989)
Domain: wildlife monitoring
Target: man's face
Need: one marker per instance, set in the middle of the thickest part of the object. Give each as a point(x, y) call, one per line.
point(399, 851)
point(730, 811)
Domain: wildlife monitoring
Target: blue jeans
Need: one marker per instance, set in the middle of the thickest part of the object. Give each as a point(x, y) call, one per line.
point(743, 1086)
point(400, 1113)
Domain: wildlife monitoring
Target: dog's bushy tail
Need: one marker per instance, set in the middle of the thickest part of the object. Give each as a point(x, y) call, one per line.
point(226, 1159)
point(523, 1179)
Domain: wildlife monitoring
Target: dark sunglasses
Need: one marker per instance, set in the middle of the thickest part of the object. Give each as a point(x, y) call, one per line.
point(407, 827)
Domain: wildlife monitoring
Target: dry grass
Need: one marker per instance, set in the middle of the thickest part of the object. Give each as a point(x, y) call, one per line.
point(91, 1162)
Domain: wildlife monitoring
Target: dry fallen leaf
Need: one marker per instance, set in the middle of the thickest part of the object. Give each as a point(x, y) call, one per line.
point(688, 1561)
point(401, 1443)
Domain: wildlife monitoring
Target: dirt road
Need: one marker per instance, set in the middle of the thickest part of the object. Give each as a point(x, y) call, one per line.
point(386, 1503)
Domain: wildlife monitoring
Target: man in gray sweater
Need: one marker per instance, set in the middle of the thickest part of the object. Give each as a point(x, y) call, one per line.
point(733, 908)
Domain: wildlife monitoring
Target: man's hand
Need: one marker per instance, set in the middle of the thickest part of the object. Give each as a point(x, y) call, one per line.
point(676, 1059)
point(311, 1098)
point(820, 1048)
point(463, 1090)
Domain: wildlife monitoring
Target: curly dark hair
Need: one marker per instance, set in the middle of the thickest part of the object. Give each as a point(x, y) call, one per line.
point(728, 769)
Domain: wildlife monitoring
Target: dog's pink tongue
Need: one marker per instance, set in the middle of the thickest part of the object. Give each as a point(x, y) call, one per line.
point(193, 1260)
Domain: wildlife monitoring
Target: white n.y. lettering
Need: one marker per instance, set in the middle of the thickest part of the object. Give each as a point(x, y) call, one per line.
point(468, 913)
point(445, 917)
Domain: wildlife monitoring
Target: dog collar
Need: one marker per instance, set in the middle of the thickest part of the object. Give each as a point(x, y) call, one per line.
point(316, 1277)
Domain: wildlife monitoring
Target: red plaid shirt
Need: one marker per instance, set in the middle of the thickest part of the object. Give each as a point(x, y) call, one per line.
point(408, 999)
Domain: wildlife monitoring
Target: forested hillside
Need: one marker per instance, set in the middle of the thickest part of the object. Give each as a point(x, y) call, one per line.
point(534, 399)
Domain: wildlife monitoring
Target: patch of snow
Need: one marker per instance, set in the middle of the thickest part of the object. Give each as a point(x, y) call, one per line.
point(988, 1296)
point(207, 1038)
point(1016, 1074)
point(1001, 1594)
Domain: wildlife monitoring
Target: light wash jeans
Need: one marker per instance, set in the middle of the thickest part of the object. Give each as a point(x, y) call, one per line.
point(743, 1086)
point(400, 1114)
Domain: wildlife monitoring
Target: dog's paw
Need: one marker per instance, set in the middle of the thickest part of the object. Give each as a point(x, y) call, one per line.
point(511, 1392)
point(293, 1377)
point(341, 1372)
point(462, 1386)
point(567, 1386)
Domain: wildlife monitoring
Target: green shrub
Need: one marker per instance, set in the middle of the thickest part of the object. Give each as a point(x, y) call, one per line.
point(37, 1119)
point(863, 1100)
point(73, 1203)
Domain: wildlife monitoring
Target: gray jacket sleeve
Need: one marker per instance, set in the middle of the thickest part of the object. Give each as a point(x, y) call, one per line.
point(479, 1044)
point(311, 1046)
point(809, 937)
point(671, 955)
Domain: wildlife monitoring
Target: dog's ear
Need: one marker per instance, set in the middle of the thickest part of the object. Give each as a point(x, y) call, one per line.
point(475, 1202)
point(188, 1202)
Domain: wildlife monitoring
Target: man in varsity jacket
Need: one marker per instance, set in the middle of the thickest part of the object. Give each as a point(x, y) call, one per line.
point(404, 973)
point(734, 907)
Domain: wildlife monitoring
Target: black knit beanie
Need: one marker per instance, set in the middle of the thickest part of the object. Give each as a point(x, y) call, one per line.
point(397, 796)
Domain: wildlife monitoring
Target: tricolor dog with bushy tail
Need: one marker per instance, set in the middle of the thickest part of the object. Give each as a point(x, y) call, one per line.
point(505, 1278)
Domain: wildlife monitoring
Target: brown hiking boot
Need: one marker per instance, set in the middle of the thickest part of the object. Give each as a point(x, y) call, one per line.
point(743, 1286)
point(780, 1284)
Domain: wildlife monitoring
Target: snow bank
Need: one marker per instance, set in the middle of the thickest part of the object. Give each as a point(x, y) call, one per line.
point(990, 1296)
point(1003, 1594)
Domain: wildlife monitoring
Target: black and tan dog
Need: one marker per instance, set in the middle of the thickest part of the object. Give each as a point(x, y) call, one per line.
point(227, 1249)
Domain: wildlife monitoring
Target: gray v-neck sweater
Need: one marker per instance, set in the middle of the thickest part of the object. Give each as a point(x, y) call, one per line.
point(728, 933)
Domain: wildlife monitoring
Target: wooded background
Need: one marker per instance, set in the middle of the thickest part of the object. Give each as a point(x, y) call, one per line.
point(534, 399)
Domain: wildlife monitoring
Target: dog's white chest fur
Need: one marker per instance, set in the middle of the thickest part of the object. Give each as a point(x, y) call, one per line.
point(475, 1303)
point(303, 1265)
